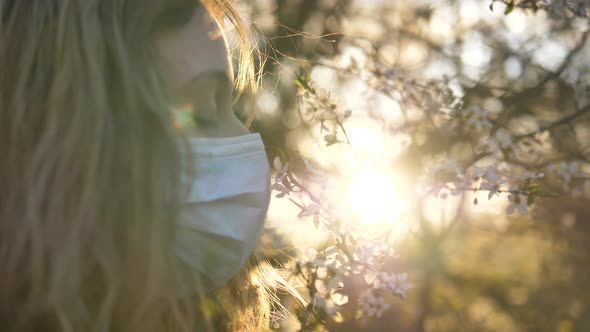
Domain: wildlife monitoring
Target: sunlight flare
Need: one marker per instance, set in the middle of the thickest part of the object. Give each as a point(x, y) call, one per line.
point(373, 196)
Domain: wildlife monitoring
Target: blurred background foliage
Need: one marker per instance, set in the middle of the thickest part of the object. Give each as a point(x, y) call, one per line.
point(395, 65)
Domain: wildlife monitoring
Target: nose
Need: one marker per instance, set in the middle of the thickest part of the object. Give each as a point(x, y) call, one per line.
point(210, 95)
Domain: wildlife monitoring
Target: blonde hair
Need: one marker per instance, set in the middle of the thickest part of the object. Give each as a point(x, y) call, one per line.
point(90, 170)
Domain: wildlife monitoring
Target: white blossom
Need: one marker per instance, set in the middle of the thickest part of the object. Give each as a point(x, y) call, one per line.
point(477, 119)
point(503, 138)
point(399, 284)
point(517, 201)
point(490, 178)
point(566, 171)
point(531, 176)
point(373, 304)
point(499, 142)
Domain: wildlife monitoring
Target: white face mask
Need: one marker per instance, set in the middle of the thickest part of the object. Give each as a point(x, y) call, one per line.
point(226, 206)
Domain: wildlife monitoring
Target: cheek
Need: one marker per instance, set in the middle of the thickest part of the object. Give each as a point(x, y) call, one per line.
point(190, 51)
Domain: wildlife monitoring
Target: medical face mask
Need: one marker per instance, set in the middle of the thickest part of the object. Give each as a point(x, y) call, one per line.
point(225, 208)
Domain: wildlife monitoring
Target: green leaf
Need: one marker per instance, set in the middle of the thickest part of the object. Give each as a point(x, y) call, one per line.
point(533, 186)
point(509, 8)
point(303, 82)
point(530, 199)
point(545, 194)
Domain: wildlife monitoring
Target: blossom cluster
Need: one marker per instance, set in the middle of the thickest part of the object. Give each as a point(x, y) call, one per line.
point(472, 146)
point(560, 8)
point(354, 255)
point(373, 299)
point(448, 178)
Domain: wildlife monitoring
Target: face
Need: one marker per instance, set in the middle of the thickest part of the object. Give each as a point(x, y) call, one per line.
point(196, 62)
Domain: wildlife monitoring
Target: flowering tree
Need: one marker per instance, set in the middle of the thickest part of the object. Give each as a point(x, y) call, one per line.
point(469, 103)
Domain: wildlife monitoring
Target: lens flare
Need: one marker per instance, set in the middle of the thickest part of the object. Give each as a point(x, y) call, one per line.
point(373, 196)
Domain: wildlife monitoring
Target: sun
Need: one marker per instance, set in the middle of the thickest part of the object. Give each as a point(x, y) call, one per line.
point(372, 195)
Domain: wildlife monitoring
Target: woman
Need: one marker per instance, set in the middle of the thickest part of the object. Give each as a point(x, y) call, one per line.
point(104, 224)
